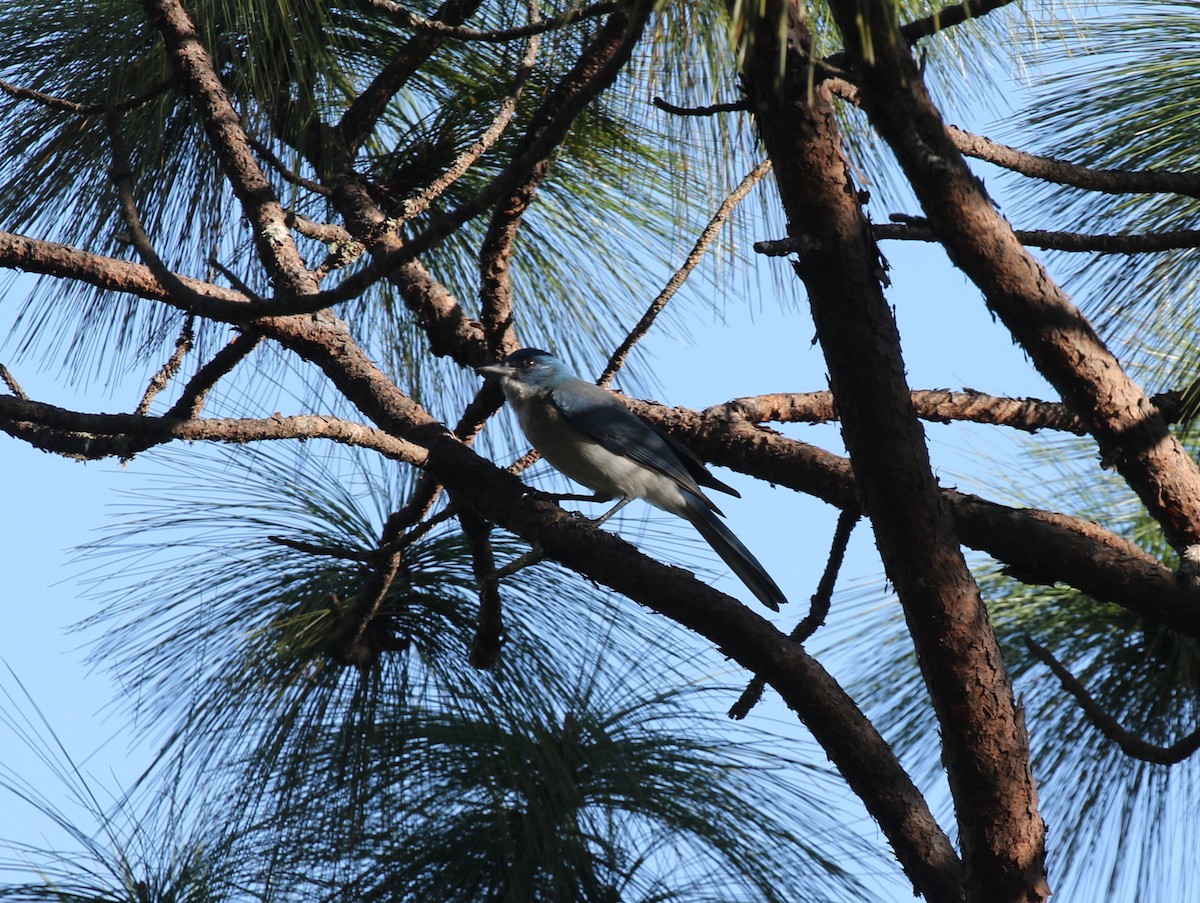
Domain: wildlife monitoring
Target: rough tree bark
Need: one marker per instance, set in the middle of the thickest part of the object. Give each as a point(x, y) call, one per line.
point(985, 743)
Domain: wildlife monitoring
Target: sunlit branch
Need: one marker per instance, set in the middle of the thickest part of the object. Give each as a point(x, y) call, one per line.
point(87, 436)
point(707, 237)
point(821, 600)
point(409, 19)
point(1133, 746)
point(1062, 172)
point(222, 124)
point(329, 233)
point(11, 381)
point(940, 405)
point(916, 229)
point(417, 205)
point(191, 399)
point(167, 372)
point(53, 259)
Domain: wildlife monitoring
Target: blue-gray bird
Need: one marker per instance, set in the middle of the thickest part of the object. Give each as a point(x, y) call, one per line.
point(587, 434)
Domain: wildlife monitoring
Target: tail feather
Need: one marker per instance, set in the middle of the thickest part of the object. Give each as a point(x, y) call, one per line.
point(734, 554)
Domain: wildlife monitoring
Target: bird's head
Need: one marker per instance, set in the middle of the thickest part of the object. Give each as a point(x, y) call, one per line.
point(529, 366)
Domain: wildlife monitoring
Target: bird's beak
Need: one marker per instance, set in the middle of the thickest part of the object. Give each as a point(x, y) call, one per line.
point(494, 370)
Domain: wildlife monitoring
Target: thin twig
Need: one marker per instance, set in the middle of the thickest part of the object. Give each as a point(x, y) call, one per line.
point(167, 372)
point(280, 167)
point(821, 600)
point(1133, 746)
point(341, 552)
point(1047, 240)
point(122, 178)
point(192, 398)
point(11, 382)
point(736, 106)
point(233, 279)
point(85, 109)
point(676, 281)
point(356, 643)
point(417, 205)
point(535, 27)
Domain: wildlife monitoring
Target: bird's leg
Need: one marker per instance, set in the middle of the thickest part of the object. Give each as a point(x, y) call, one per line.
point(617, 507)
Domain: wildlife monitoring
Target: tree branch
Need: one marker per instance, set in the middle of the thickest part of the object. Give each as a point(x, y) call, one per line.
point(699, 249)
point(167, 372)
point(821, 600)
point(1062, 172)
point(938, 405)
point(191, 399)
point(441, 29)
point(1058, 338)
point(1052, 169)
point(915, 229)
point(594, 70)
point(223, 126)
point(418, 204)
point(364, 111)
point(927, 26)
point(63, 261)
point(959, 657)
point(736, 106)
point(1133, 746)
point(94, 436)
point(85, 109)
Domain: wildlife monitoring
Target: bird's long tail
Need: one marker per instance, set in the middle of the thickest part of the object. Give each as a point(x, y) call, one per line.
point(733, 553)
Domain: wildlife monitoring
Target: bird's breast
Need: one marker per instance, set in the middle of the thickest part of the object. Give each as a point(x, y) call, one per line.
point(582, 458)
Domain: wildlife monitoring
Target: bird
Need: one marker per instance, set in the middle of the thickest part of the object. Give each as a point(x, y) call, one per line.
point(586, 433)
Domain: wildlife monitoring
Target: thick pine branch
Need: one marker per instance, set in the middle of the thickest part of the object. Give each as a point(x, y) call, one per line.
point(985, 745)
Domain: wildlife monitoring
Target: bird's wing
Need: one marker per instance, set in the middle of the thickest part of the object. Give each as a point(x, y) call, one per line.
point(694, 465)
point(596, 412)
